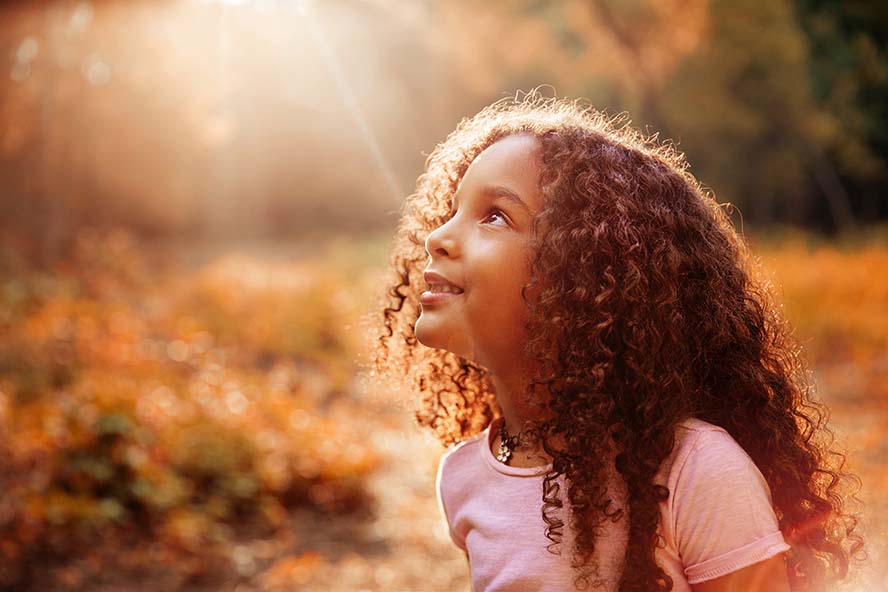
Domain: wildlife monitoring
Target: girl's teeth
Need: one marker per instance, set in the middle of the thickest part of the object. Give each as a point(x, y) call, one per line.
point(446, 289)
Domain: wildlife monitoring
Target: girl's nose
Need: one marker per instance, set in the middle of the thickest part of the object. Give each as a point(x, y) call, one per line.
point(440, 242)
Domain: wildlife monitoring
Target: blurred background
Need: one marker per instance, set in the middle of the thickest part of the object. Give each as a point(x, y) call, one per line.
point(196, 207)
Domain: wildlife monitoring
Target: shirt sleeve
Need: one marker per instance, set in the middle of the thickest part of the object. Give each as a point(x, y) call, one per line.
point(723, 517)
point(439, 478)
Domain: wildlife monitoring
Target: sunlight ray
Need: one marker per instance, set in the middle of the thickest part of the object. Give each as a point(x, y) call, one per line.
point(347, 95)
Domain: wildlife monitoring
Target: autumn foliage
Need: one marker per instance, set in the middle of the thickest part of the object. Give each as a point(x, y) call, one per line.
point(168, 407)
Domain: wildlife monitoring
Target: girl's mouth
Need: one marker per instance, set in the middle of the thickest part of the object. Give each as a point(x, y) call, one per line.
point(439, 295)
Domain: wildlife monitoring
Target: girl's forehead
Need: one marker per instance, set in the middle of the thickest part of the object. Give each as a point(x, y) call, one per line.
point(510, 163)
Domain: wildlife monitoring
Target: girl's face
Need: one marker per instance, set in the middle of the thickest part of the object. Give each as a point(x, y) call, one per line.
point(483, 249)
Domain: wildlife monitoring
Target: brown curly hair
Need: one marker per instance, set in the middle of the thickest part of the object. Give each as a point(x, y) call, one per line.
point(649, 309)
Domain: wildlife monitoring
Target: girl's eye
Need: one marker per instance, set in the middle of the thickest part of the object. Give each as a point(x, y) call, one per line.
point(496, 213)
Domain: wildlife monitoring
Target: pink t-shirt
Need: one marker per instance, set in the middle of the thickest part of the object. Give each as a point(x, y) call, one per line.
point(718, 517)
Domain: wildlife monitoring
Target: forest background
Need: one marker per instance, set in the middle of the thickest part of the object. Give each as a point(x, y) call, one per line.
point(196, 207)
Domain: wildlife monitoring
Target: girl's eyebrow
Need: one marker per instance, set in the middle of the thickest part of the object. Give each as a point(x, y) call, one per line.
point(495, 191)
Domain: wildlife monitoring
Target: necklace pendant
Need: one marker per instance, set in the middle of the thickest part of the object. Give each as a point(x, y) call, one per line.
point(504, 453)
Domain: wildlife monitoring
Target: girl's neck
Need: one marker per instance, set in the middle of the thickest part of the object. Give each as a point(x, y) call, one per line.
point(519, 416)
point(518, 413)
point(524, 456)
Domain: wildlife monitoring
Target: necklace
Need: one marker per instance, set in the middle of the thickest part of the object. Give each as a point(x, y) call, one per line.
point(507, 444)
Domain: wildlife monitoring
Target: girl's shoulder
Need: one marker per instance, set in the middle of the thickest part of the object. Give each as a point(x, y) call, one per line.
point(467, 444)
point(698, 440)
point(460, 465)
point(706, 453)
point(694, 424)
point(719, 512)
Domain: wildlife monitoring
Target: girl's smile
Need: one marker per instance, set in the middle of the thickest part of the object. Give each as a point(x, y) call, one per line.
point(440, 288)
point(433, 297)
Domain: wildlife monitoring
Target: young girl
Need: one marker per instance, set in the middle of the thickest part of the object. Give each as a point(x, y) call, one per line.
point(589, 338)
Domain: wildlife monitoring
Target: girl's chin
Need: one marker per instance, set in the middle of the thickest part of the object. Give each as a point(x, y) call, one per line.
point(427, 336)
point(435, 337)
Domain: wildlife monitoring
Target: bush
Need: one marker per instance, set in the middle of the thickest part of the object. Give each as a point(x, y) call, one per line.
point(136, 406)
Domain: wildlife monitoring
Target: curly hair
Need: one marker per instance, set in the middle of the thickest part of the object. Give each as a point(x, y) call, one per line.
point(648, 309)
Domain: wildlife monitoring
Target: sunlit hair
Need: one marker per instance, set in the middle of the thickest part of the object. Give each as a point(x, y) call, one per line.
point(648, 308)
